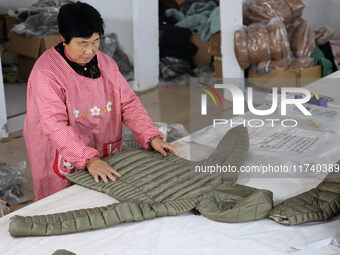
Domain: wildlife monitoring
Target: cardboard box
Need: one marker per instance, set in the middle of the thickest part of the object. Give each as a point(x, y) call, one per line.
point(29, 48)
point(218, 66)
point(202, 56)
point(10, 23)
point(214, 48)
point(287, 78)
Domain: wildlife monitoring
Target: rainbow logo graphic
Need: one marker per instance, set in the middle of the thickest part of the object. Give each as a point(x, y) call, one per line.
point(209, 91)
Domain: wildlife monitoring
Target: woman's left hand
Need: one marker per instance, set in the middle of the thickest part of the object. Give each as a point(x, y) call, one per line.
point(159, 145)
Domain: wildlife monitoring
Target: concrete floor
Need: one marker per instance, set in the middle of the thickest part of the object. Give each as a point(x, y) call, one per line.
point(170, 105)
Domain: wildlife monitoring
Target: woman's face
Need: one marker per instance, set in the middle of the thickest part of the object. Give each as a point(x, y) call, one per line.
point(82, 50)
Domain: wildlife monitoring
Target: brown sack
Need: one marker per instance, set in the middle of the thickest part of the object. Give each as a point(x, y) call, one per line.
point(258, 43)
point(296, 6)
point(278, 38)
point(302, 42)
point(323, 35)
point(264, 10)
point(241, 48)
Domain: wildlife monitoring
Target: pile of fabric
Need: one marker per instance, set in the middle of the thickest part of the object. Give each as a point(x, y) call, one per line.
point(40, 19)
point(200, 18)
point(176, 25)
point(275, 37)
point(10, 191)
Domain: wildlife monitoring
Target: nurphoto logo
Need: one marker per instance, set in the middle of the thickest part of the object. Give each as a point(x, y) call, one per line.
point(239, 101)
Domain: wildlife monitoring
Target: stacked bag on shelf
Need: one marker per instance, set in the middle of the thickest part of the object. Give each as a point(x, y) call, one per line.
point(275, 37)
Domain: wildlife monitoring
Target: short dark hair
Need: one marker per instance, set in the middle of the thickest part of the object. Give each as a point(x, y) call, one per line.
point(79, 20)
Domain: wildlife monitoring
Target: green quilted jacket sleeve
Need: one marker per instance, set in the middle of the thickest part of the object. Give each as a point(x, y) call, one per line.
point(96, 218)
point(318, 204)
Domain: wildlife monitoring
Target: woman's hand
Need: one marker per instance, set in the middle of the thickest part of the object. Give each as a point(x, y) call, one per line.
point(161, 146)
point(98, 167)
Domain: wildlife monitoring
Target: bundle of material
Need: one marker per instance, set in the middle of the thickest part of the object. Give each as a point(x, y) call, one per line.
point(201, 18)
point(302, 38)
point(323, 35)
point(175, 41)
point(260, 42)
point(38, 25)
point(264, 10)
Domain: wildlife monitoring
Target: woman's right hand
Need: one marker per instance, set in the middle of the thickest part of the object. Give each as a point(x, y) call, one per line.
point(98, 167)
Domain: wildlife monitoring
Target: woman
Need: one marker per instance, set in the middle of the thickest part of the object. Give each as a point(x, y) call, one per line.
point(76, 102)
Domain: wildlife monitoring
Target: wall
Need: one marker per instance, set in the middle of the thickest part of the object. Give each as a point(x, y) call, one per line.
point(5, 5)
point(117, 15)
point(325, 12)
point(3, 114)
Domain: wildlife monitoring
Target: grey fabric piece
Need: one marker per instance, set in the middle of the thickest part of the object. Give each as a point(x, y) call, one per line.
point(213, 25)
point(154, 186)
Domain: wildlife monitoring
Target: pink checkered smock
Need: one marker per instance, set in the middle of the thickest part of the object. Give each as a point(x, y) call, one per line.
point(71, 118)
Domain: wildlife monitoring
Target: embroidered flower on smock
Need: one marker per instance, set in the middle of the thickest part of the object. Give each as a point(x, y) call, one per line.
point(95, 111)
point(76, 113)
point(109, 106)
point(68, 165)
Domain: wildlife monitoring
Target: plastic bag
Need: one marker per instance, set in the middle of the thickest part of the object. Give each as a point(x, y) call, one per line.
point(10, 177)
point(264, 10)
point(303, 40)
point(241, 47)
point(110, 46)
point(129, 143)
point(323, 35)
point(260, 42)
point(171, 67)
point(13, 195)
point(38, 25)
point(176, 131)
point(170, 133)
point(279, 43)
point(42, 6)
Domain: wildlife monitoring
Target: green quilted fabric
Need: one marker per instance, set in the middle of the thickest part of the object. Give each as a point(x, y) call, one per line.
point(63, 252)
point(318, 204)
point(154, 186)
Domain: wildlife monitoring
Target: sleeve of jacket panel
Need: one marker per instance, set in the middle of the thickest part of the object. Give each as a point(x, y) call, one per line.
point(135, 116)
point(96, 218)
point(50, 99)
